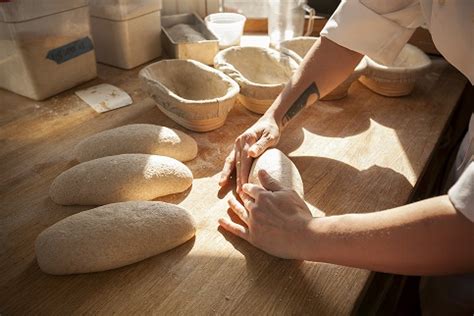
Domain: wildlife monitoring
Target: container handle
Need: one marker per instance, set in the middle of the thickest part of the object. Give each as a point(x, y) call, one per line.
point(312, 14)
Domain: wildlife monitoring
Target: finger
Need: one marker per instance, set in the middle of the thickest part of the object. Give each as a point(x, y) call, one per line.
point(249, 203)
point(238, 164)
point(258, 148)
point(268, 182)
point(246, 159)
point(261, 145)
point(252, 190)
point(229, 166)
point(238, 209)
point(234, 228)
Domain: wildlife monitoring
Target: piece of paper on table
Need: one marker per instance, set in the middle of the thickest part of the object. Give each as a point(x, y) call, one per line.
point(104, 97)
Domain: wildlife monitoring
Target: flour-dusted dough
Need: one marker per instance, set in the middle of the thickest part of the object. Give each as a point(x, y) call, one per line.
point(280, 167)
point(120, 178)
point(112, 236)
point(184, 33)
point(138, 139)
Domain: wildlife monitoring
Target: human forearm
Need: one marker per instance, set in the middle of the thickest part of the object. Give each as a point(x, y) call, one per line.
point(323, 69)
point(326, 65)
point(424, 238)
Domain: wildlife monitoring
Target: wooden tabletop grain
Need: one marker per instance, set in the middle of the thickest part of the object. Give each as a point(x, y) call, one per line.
point(364, 153)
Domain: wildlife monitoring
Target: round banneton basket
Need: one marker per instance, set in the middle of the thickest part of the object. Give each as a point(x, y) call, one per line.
point(260, 72)
point(301, 46)
point(190, 93)
point(399, 78)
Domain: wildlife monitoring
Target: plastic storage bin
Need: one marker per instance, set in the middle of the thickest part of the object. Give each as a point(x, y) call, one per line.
point(201, 7)
point(126, 32)
point(45, 47)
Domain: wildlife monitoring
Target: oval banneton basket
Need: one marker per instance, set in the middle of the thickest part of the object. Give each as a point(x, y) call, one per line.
point(399, 78)
point(190, 93)
point(260, 72)
point(301, 46)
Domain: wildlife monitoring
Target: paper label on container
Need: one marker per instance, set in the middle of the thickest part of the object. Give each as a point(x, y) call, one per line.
point(104, 97)
point(70, 50)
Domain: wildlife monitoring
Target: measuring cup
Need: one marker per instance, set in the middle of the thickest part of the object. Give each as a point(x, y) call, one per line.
point(286, 20)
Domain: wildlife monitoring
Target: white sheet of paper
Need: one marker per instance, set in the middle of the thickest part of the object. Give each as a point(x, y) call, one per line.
point(104, 97)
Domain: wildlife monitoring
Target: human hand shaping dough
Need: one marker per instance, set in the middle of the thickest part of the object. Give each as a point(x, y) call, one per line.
point(249, 145)
point(276, 220)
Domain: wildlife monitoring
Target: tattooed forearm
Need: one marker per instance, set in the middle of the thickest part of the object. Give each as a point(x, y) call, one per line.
point(301, 102)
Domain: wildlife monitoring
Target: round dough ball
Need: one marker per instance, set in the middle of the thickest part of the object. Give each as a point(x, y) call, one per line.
point(112, 236)
point(120, 178)
point(280, 167)
point(138, 139)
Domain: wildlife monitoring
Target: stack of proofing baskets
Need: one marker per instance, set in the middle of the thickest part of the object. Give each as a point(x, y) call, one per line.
point(45, 47)
point(126, 32)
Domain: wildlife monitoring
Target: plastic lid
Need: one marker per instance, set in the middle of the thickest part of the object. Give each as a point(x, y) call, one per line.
point(120, 10)
point(23, 10)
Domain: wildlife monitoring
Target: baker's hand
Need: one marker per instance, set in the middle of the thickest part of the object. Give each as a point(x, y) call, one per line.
point(252, 143)
point(276, 220)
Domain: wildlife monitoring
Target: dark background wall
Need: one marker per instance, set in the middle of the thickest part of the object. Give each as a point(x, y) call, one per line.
point(324, 7)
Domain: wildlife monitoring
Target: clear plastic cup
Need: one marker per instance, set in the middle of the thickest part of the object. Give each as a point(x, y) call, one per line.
point(228, 27)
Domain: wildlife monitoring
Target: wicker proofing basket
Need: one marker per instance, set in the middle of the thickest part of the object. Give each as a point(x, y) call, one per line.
point(301, 46)
point(260, 72)
point(190, 93)
point(399, 78)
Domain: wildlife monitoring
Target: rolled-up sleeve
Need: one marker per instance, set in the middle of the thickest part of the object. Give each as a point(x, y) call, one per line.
point(461, 193)
point(373, 31)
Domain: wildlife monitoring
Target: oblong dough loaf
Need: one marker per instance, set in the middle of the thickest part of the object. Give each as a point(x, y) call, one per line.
point(120, 178)
point(112, 236)
point(280, 167)
point(138, 139)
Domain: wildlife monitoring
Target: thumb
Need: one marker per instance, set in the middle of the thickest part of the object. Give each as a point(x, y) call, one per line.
point(268, 182)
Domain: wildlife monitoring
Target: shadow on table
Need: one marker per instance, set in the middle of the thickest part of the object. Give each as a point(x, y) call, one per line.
point(414, 118)
point(340, 118)
point(268, 274)
point(337, 188)
point(28, 292)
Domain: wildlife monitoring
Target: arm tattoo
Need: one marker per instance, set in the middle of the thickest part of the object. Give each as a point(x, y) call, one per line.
point(300, 103)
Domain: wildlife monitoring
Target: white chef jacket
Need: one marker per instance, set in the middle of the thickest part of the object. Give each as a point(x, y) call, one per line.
point(461, 193)
point(380, 28)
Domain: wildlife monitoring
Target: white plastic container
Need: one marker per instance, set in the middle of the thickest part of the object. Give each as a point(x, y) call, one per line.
point(126, 32)
point(228, 27)
point(45, 47)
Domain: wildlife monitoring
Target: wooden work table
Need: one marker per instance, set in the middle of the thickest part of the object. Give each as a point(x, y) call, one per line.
point(364, 153)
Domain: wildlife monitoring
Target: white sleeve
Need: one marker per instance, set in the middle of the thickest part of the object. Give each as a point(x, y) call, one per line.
point(378, 29)
point(461, 193)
